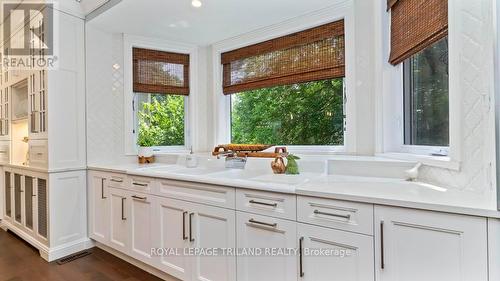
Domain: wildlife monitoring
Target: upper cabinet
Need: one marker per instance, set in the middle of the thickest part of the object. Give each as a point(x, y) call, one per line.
point(43, 108)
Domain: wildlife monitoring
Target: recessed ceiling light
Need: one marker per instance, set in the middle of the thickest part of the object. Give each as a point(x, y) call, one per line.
point(196, 3)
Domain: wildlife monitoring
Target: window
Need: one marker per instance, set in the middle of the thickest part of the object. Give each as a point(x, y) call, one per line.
point(300, 114)
point(419, 41)
point(161, 87)
point(161, 117)
point(288, 90)
point(426, 110)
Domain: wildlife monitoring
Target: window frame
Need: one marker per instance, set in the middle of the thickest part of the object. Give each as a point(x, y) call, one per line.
point(132, 41)
point(222, 106)
point(390, 111)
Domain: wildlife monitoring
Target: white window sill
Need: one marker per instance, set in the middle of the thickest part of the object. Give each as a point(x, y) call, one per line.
point(444, 162)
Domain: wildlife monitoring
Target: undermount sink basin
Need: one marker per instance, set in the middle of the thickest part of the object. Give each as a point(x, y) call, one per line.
point(162, 168)
point(282, 179)
point(236, 174)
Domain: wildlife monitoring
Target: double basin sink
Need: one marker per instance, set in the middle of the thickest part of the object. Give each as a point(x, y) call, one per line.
point(227, 174)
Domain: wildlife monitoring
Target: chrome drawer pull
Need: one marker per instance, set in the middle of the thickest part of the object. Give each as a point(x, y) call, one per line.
point(301, 267)
point(263, 223)
point(140, 184)
point(347, 217)
point(184, 237)
point(139, 197)
point(263, 203)
point(115, 180)
point(123, 209)
point(191, 239)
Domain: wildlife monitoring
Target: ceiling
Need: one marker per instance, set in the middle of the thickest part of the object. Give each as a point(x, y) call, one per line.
point(215, 20)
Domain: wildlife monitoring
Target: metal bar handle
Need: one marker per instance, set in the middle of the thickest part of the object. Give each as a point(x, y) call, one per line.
point(102, 188)
point(263, 203)
point(318, 212)
point(191, 239)
point(301, 268)
point(382, 258)
point(139, 197)
point(140, 184)
point(123, 209)
point(184, 237)
point(263, 223)
point(115, 180)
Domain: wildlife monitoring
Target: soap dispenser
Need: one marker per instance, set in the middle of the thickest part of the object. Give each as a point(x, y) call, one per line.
point(191, 160)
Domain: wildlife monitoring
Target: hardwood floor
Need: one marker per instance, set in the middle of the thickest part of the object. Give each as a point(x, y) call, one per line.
point(21, 262)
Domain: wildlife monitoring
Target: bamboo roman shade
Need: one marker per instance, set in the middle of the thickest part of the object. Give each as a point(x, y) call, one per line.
point(415, 25)
point(310, 55)
point(160, 72)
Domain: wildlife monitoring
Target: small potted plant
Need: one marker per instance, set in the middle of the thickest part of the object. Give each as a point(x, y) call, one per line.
point(146, 139)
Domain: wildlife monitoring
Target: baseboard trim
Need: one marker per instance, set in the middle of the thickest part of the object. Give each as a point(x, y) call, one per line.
point(47, 253)
point(68, 249)
point(42, 248)
point(149, 269)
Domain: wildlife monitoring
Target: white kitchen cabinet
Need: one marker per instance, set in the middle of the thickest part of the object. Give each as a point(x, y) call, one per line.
point(414, 245)
point(37, 91)
point(98, 207)
point(172, 232)
point(348, 256)
point(260, 232)
point(5, 113)
point(119, 237)
point(7, 188)
point(141, 220)
point(212, 227)
point(185, 225)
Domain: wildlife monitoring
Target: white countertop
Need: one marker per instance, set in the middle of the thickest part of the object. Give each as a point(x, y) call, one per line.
point(382, 191)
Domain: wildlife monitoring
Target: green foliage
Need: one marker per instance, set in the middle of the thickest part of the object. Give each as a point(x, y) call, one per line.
point(161, 121)
point(301, 114)
point(292, 168)
point(429, 100)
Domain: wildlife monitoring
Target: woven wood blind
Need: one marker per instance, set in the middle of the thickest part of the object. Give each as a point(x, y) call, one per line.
point(310, 55)
point(415, 25)
point(160, 72)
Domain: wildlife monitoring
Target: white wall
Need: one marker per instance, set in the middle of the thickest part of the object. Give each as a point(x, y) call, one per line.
point(105, 112)
point(474, 29)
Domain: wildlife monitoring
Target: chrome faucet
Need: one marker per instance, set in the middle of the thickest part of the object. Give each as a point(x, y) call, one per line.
point(232, 160)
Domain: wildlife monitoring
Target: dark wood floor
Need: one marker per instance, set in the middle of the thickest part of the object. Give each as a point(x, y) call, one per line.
point(20, 262)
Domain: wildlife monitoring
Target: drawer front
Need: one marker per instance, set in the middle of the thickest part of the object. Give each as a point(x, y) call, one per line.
point(267, 203)
point(5, 152)
point(141, 184)
point(343, 215)
point(115, 180)
point(38, 154)
point(220, 196)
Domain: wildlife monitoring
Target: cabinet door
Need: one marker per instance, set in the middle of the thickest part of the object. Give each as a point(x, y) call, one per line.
point(260, 232)
point(18, 190)
point(212, 227)
point(38, 105)
point(119, 216)
point(414, 245)
point(8, 194)
point(98, 208)
point(347, 256)
point(28, 203)
point(42, 209)
point(172, 233)
point(141, 226)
